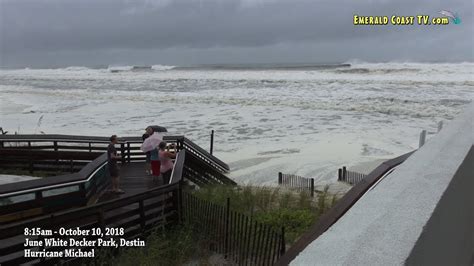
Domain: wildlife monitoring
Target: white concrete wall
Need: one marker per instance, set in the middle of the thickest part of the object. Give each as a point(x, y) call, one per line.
point(421, 214)
point(448, 237)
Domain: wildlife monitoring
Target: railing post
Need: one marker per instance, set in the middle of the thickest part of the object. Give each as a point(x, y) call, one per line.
point(122, 152)
point(142, 214)
point(180, 202)
point(226, 236)
point(177, 202)
point(283, 244)
point(128, 152)
point(280, 178)
point(55, 147)
point(31, 158)
point(179, 144)
point(39, 197)
point(82, 189)
point(422, 138)
point(212, 142)
point(312, 187)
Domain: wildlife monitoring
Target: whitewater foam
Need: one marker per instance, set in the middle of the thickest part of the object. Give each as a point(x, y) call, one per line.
point(307, 122)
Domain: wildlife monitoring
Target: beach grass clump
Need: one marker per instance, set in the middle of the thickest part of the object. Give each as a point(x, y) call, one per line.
point(174, 246)
point(296, 211)
point(185, 245)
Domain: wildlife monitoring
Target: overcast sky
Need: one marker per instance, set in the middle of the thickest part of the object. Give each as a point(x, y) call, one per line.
point(188, 32)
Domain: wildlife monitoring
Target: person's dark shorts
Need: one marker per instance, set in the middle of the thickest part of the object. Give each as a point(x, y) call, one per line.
point(148, 159)
point(113, 170)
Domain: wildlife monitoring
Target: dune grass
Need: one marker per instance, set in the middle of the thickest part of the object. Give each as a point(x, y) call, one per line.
point(296, 211)
point(181, 245)
point(174, 246)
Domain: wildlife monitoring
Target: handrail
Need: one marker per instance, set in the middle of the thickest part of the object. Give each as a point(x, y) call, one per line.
point(205, 153)
point(341, 207)
point(52, 137)
point(176, 178)
point(87, 171)
point(83, 176)
point(145, 217)
point(177, 172)
point(122, 140)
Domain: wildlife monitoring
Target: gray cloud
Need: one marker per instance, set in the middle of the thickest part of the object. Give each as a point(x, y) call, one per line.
point(48, 33)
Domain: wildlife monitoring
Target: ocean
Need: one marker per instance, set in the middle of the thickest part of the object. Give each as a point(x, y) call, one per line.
point(307, 120)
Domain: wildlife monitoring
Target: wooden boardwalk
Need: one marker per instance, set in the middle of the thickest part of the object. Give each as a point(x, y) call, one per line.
point(133, 180)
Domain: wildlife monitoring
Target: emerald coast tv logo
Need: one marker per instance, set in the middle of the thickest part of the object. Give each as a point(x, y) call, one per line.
point(419, 19)
point(453, 16)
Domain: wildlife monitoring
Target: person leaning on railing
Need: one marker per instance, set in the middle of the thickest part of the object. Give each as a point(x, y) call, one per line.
point(166, 162)
point(112, 158)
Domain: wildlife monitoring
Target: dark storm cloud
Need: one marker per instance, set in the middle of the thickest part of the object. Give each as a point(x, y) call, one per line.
point(210, 31)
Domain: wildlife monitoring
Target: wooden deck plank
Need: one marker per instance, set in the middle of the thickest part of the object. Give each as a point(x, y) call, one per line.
point(133, 180)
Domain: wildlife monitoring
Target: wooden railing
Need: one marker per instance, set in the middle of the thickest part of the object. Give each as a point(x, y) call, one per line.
point(129, 147)
point(136, 214)
point(296, 182)
point(232, 234)
point(35, 197)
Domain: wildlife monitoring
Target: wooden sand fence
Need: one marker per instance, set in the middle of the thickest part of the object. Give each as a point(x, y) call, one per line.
point(296, 182)
point(241, 239)
point(350, 177)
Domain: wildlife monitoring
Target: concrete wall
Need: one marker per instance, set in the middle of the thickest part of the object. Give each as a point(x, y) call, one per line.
point(421, 214)
point(448, 237)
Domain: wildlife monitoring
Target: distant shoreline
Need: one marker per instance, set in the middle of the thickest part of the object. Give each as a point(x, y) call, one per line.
point(230, 66)
point(195, 67)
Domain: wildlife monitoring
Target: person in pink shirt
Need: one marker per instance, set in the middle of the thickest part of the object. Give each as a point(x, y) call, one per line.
point(166, 162)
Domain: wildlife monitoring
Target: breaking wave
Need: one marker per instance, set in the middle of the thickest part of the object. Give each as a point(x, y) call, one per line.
point(140, 68)
point(162, 67)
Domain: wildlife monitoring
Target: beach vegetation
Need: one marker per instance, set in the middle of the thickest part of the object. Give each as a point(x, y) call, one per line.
point(182, 245)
